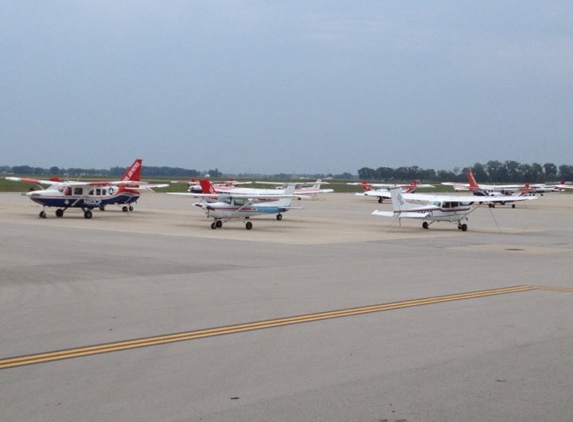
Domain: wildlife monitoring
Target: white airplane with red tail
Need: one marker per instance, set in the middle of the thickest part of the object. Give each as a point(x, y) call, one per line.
point(383, 191)
point(89, 195)
point(437, 208)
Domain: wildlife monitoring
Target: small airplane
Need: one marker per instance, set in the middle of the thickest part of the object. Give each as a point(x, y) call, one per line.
point(211, 191)
point(384, 189)
point(303, 188)
point(480, 189)
point(242, 206)
point(437, 208)
point(195, 187)
point(89, 195)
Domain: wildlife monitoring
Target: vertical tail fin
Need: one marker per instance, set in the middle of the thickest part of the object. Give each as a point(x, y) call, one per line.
point(472, 181)
point(285, 202)
point(366, 186)
point(207, 187)
point(412, 187)
point(133, 173)
point(398, 202)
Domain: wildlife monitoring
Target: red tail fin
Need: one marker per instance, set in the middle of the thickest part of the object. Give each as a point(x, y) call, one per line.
point(207, 187)
point(412, 186)
point(133, 173)
point(472, 180)
point(366, 186)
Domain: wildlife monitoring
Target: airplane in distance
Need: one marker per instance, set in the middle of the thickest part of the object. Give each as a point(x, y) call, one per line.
point(436, 208)
point(242, 206)
point(480, 189)
point(89, 195)
point(383, 191)
point(211, 191)
point(194, 186)
point(311, 189)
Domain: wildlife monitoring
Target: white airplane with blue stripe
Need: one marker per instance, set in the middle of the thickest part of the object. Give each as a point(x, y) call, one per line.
point(89, 195)
point(242, 206)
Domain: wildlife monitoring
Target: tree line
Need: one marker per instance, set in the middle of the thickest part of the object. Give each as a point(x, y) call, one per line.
point(492, 172)
point(113, 172)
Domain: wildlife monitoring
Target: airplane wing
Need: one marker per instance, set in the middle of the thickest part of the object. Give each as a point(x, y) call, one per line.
point(376, 193)
point(36, 181)
point(404, 214)
point(428, 197)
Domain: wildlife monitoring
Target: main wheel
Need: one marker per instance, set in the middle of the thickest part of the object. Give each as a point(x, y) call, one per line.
point(279, 217)
point(425, 225)
point(380, 199)
point(59, 212)
point(464, 227)
point(130, 208)
point(248, 225)
point(124, 209)
point(42, 214)
point(88, 214)
point(213, 225)
point(218, 224)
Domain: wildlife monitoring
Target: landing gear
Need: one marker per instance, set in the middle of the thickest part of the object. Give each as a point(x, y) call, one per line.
point(463, 227)
point(217, 224)
point(59, 212)
point(125, 209)
point(279, 217)
point(42, 214)
point(512, 205)
point(102, 207)
point(380, 199)
point(87, 214)
point(425, 225)
point(249, 225)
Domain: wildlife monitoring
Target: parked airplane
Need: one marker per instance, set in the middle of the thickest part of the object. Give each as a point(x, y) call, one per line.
point(89, 195)
point(213, 190)
point(303, 188)
point(384, 189)
point(480, 189)
point(194, 186)
point(243, 206)
point(451, 208)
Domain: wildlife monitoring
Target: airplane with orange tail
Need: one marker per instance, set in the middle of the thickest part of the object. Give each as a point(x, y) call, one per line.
point(383, 191)
point(89, 195)
point(480, 189)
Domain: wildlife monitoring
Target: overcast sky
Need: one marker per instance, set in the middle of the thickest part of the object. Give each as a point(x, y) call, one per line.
point(285, 86)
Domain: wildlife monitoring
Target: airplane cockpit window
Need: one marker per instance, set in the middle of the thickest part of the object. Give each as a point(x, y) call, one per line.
point(437, 203)
point(447, 204)
point(454, 205)
point(78, 191)
point(226, 199)
point(240, 201)
point(68, 191)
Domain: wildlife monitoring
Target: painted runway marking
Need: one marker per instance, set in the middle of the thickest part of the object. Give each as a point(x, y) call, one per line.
point(258, 325)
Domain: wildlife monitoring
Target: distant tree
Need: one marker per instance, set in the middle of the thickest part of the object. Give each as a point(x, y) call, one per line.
point(215, 173)
point(344, 176)
point(446, 175)
point(54, 171)
point(550, 171)
point(479, 173)
point(366, 173)
point(512, 170)
point(496, 171)
point(566, 172)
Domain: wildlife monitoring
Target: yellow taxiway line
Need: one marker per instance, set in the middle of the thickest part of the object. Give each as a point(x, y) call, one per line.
point(239, 328)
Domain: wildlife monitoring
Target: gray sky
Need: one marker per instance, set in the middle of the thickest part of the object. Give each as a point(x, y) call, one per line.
point(285, 86)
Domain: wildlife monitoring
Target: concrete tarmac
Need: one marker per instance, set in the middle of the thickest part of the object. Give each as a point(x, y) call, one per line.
point(471, 326)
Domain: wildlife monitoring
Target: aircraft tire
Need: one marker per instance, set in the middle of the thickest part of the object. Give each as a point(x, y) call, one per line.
point(464, 227)
point(248, 225)
point(279, 217)
point(130, 208)
point(59, 212)
point(425, 225)
point(213, 225)
point(42, 214)
point(380, 200)
point(512, 205)
point(88, 214)
point(124, 209)
point(218, 224)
